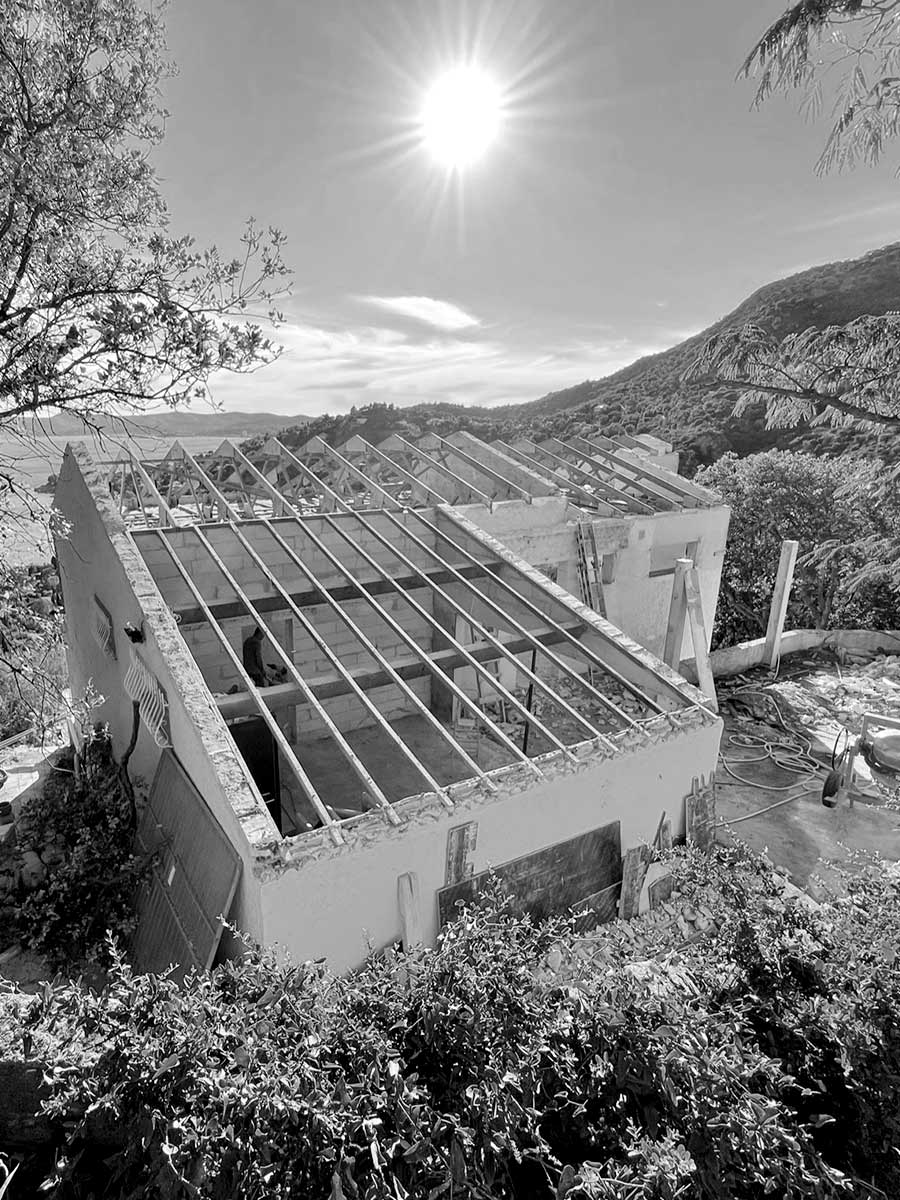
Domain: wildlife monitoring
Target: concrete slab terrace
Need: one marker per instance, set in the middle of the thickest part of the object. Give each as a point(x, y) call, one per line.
point(407, 628)
point(813, 699)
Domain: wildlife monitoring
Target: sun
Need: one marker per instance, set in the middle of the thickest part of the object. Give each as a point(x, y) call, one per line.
point(461, 117)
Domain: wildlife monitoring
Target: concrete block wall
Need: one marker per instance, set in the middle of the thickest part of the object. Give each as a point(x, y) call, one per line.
point(543, 533)
point(638, 603)
point(214, 586)
point(347, 711)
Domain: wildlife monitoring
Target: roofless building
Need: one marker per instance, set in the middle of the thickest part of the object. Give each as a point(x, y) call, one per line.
point(433, 704)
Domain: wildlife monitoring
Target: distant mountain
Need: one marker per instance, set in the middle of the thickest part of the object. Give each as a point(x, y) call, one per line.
point(177, 423)
point(649, 397)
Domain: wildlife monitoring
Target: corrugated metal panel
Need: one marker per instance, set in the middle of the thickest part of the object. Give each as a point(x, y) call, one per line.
point(193, 876)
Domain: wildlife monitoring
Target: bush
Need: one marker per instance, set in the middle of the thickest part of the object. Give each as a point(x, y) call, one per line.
point(32, 660)
point(83, 826)
point(835, 509)
point(514, 1060)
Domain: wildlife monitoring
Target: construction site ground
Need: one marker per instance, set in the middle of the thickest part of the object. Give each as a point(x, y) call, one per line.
point(769, 792)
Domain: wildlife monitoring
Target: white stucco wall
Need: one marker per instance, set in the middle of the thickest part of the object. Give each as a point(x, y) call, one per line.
point(543, 532)
point(338, 902)
point(96, 557)
point(639, 604)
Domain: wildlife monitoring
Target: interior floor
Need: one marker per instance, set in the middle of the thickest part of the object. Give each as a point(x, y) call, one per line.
point(339, 787)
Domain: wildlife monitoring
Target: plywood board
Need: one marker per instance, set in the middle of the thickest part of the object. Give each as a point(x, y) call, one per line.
point(552, 880)
point(193, 876)
point(637, 860)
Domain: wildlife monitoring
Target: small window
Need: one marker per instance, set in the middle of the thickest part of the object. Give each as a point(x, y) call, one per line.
point(103, 628)
point(663, 558)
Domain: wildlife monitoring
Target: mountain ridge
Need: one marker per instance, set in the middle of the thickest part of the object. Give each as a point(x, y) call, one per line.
point(649, 396)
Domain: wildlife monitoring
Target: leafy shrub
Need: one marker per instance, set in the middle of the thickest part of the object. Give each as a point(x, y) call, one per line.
point(514, 1060)
point(32, 661)
point(87, 824)
point(834, 508)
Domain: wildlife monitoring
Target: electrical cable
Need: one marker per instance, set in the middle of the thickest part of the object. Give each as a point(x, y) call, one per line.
point(792, 755)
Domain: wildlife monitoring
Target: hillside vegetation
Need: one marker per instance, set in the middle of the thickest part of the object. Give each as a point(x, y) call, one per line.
point(649, 397)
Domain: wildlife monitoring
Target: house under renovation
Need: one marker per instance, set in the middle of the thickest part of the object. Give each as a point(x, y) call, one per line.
point(606, 518)
point(357, 690)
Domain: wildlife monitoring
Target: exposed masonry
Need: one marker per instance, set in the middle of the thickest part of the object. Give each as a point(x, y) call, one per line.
point(232, 570)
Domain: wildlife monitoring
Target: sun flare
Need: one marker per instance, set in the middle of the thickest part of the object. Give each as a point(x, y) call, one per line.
point(461, 117)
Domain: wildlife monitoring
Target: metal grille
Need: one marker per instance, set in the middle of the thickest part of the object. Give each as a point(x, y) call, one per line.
point(142, 686)
point(103, 628)
point(193, 876)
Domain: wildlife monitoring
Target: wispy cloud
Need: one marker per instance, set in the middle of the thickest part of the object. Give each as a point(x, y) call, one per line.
point(856, 216)
point(439, 314)
point(331, 368)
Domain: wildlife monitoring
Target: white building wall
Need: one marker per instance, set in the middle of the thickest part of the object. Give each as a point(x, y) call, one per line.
point(97, 558)
point(338, 903)
point(636, 601)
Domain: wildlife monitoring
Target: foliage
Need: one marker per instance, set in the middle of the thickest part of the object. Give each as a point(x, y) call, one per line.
point(832, 508)
point(854, 47)
point(102, 309)
point(86, 821)
point(514, 1060)
point(839, 375)
point(845, 371)
point(99, 306)
point(32, 661)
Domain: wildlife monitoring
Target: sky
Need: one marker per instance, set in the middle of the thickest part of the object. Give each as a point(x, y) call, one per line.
point(631, 197)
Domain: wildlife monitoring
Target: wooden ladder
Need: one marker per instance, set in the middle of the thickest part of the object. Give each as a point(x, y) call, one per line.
point(589, 567)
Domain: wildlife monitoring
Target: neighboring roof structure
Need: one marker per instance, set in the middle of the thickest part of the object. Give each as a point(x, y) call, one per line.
point(599, 475)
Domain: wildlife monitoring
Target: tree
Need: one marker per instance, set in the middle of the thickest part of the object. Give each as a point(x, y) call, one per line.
point(102, 311)
point(845, 572)
point(842, 374)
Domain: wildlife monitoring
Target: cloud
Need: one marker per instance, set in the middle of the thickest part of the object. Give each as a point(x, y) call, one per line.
point(332, 367)
point(439, 314)
point(857, 216)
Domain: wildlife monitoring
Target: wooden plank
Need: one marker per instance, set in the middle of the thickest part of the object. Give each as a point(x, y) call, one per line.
point(664, 835)
point(780, 597)
point(409, 899)
point(549, 881)
point(677, 615)
point(700, 813)
point(699, 638)
point(634, 868)
point(461, 842)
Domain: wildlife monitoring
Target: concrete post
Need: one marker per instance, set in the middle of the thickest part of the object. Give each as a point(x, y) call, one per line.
point(780, 597)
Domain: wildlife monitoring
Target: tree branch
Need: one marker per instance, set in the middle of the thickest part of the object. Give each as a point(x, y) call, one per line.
point(820, 399)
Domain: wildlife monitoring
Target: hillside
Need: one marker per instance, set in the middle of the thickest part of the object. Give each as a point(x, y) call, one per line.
point(649, 397)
